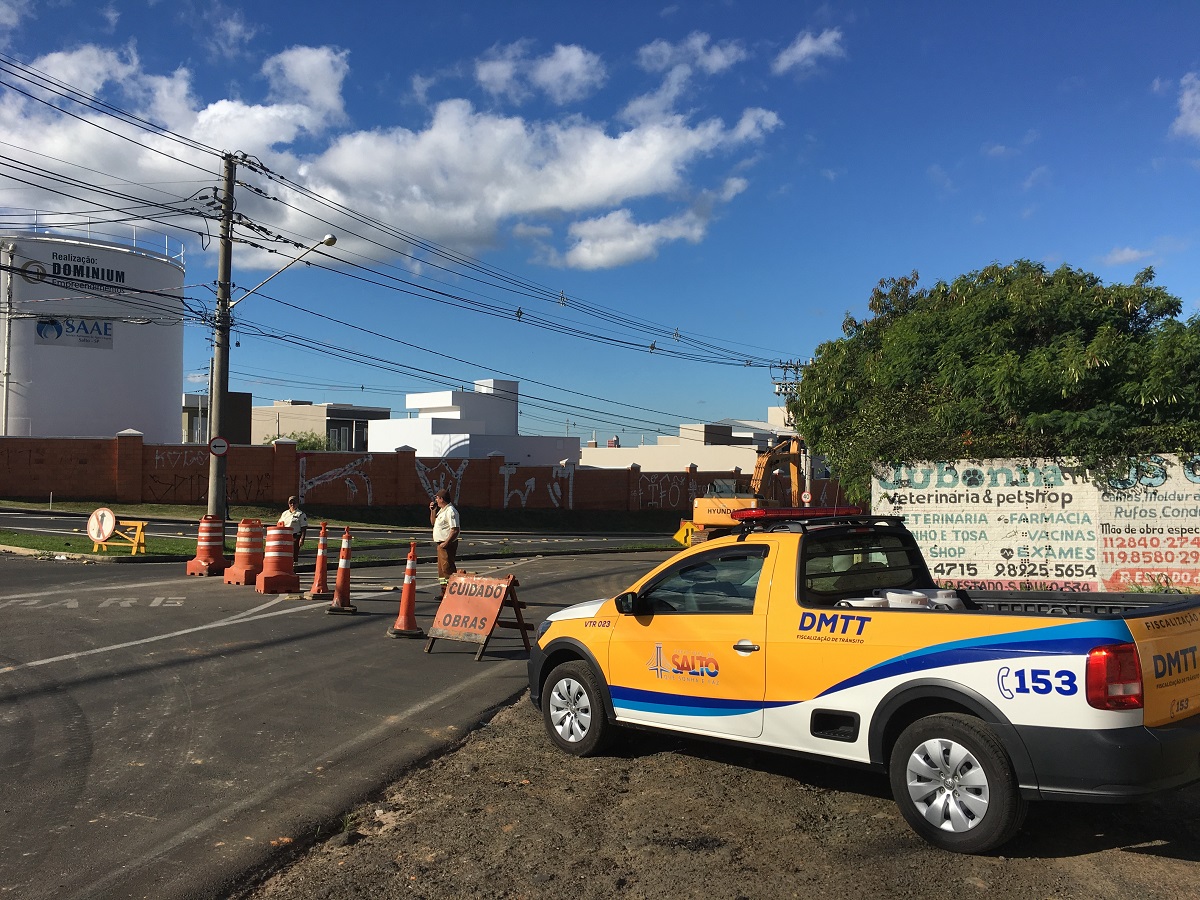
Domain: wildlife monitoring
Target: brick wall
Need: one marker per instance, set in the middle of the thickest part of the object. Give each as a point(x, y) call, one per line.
point(123, 469)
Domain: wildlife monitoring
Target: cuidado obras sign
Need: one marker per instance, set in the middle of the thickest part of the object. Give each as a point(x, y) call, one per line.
point(1035, 524)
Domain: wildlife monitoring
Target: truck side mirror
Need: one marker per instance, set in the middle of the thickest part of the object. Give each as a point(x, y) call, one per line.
point(626, 603)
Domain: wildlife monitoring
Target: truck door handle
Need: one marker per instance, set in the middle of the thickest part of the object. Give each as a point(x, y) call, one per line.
point(744, 646)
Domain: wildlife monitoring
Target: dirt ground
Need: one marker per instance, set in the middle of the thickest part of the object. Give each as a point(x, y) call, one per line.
point(507, 815)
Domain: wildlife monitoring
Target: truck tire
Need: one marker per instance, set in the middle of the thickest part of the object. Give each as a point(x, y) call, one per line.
point(955, 785)
point(573, 710)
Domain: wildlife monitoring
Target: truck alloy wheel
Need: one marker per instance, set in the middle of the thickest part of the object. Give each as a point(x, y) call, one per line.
point(955, 785)
point(573, 710)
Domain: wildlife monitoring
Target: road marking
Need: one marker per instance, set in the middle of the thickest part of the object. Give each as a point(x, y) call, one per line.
point(250, 612)
point(80, 587)
point(162, 637)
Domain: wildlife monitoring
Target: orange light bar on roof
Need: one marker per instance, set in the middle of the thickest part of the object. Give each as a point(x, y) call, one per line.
point(794, 512)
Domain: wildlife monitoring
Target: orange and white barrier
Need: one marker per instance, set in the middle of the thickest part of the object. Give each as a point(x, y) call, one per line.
point(278, 575)
point(320, 586)
point(406, 621)
point(247, 553)
point(210, 548)
point(341, 586)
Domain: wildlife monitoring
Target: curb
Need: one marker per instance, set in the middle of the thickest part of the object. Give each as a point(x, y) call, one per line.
point(306, 568)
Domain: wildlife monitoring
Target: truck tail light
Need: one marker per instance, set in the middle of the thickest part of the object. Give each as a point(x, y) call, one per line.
point(1114, 677)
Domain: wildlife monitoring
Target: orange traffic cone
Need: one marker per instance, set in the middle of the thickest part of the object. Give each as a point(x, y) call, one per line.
point(406, 622)
point(341, 585)
point(278, 575)
point(320, 586)
point(210, 548)
point(248, 554)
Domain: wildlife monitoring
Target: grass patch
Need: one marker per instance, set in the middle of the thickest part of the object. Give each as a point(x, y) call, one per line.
point(81, 543)
point(650, 521)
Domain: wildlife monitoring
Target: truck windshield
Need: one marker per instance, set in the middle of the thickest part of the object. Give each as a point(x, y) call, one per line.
point(859, 564)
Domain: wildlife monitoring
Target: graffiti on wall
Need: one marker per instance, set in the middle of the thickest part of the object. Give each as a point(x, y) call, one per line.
point(246, 488)
point(15, 457)
point(175, 459)
point(562, 477)
point(193, 488)
point(508, 470)
point(560, 487)
point(442, 476)
point(351, 475)
point(665, 491)
point(1004, 524)
point(177, 488)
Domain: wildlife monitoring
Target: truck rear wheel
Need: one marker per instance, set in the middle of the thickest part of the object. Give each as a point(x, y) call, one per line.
point(955, 785)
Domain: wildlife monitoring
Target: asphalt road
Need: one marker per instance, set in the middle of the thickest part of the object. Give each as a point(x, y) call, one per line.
point(163, 735)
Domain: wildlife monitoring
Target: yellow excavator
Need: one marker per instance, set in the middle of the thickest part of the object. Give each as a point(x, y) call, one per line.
point(711, 513)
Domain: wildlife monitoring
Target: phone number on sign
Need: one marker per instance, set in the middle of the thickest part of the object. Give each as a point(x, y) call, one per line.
point(1184, 557)
point(1013, 584)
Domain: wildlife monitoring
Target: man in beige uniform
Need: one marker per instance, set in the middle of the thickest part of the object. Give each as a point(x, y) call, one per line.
point(444, 519)
point(294, 518)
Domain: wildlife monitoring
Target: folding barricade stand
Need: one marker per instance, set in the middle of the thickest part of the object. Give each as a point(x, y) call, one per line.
point(470, 611)
point(102, 528)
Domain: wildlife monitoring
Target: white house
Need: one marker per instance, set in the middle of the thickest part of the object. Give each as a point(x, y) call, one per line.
point(476, 423)
point(712, 447)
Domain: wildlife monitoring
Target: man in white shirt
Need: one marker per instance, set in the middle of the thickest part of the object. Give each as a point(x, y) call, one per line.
point(294, 518)
point(444, 519)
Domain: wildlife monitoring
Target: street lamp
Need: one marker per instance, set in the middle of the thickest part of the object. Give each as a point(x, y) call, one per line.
point(328, 241)
point(217, 505)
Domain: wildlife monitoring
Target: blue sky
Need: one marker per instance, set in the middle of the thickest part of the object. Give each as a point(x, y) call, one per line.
point(740, 173)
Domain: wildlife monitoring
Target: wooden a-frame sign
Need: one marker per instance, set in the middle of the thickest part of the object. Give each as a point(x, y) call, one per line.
point(470, 611)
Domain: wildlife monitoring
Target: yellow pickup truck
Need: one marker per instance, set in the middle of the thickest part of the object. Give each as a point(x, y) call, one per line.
point(827, 637)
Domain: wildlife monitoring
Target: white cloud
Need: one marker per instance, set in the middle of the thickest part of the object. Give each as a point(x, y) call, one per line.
point(90, 68)
point(421, 86)
point(226, 33)
point(1161, 85)
point(567, 74)
point(808, 49)
point(1040, 175)
point(309, 77)
point(460, 177)
point(694, 50)
point(12, 12)
point(498, 72)
point(1188, 121)
point(525, 230)
point(1120, 256)
point(941, 178)
point(660, 104)
point(111, 16)
point(616, 239)
point(731, 188)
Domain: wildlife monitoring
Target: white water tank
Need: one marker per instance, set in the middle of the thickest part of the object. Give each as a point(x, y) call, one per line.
point(92, 338)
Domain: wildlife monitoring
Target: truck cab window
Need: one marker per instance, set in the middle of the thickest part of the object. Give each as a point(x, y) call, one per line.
point(723, 582)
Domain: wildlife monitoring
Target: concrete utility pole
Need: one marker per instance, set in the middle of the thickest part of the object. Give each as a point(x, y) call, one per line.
point(219, 393)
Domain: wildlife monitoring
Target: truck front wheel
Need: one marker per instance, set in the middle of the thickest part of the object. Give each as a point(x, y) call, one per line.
point(955, 785)
point(573, 710)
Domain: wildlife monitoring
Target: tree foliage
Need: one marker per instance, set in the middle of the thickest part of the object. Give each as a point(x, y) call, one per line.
point(1010, 361)
point(305, 440)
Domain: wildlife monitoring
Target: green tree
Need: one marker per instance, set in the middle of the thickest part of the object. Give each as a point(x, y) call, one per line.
point(1009, 361)
point(305, 440)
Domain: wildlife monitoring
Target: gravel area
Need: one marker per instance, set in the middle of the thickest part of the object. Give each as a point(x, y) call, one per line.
point(507, 815)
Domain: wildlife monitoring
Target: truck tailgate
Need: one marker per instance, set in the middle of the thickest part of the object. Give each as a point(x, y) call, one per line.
point(1167, 649)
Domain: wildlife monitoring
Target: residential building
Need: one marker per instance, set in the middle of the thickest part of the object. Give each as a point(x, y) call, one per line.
point(472, 424)
point(343, 424)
